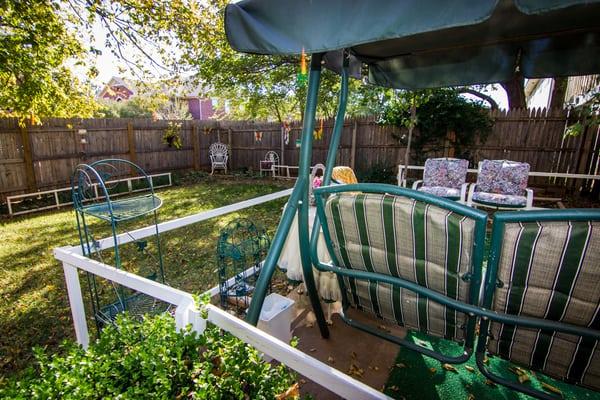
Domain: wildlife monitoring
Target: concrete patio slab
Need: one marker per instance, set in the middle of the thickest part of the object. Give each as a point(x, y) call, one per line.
point(354, 352)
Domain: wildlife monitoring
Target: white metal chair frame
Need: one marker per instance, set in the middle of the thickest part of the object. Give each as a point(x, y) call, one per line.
point(271, 157)
point(313, 174)
point(471, 202)
point(219, 155)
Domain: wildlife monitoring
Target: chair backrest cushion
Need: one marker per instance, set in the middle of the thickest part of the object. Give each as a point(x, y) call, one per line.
point(550, 270)
point(409, 239)
point(502, 177)
point(445, 172)
point(344, 175)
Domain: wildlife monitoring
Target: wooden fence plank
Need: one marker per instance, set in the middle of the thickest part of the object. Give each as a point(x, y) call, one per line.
point(45, 156)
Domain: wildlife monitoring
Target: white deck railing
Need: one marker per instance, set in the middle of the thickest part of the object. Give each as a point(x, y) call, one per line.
point(401, 177)
point(188, 314)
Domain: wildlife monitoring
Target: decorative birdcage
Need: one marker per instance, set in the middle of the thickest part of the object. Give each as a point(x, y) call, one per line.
point(240, 250)
point(100, 194)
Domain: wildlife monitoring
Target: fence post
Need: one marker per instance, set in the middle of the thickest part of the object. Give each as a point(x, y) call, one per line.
point(282, 143)
point(28, 159)
point(131, 141)
point(229, 142)
point(353, 150)
point(77, 307)
point(196, 146)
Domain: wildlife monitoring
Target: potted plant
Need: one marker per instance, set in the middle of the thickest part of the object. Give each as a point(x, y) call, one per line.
point(172, 137)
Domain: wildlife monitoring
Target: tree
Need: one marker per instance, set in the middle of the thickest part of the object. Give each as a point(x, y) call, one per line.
point(35, 46)
point(515, 91)
point(438, 112)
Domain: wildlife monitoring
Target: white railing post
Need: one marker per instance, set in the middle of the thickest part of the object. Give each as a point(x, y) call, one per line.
point(76, 302)
point(187, 314)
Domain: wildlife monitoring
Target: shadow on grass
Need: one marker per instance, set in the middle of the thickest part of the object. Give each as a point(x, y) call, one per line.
point(34, 307)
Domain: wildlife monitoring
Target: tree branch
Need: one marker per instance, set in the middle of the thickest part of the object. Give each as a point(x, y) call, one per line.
point(482, 96)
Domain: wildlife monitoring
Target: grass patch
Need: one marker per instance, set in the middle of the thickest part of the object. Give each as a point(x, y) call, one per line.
point(34, 307)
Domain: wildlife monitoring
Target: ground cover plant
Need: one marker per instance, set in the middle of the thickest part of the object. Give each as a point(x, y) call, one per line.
point(34, 307)
point(151, 360)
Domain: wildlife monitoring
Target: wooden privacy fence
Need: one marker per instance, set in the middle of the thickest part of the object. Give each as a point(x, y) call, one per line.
point(43, 156)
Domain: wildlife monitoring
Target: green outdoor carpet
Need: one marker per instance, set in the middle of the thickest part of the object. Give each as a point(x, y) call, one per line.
point(416, 376)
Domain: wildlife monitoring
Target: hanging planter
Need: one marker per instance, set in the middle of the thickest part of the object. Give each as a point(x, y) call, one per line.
point(172, 135)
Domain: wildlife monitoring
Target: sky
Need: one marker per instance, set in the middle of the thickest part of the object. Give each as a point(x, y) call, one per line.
point(109, 65)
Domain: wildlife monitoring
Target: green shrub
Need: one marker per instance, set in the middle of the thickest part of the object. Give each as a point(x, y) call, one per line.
point(151, 360)
point(378, 173)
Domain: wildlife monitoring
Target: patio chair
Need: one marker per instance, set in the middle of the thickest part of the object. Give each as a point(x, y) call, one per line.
point(343, 175)
point(316, 180)
point(501, 184)
point(444, 177)
point(543, 274)
point(219, 155)
point(271, 159)
point(407, 257)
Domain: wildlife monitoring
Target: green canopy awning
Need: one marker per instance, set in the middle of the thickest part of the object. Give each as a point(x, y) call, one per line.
point(413, 44)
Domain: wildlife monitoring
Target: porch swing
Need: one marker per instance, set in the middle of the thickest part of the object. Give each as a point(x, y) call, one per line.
point(410, 257)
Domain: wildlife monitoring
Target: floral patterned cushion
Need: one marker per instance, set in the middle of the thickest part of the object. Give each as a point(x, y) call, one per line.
point(500, 199)
point(445, 172)
point(503, 177)
point(441, 191)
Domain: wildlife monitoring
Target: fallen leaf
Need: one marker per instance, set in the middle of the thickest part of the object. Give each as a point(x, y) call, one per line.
point(330, 359)
point(524, 378)
point(353, 355)
point(313, 350)
point(469, 368)
point(471, 396)
point(449, 367)
point(400, 365)
point(355, 370)
point(432, 370)
point(394, 388)
point(292, 393)
point(551, 388)
point(490, 383)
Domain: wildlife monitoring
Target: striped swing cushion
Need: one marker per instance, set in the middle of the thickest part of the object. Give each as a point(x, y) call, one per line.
point(408, 239)
point(550, 270)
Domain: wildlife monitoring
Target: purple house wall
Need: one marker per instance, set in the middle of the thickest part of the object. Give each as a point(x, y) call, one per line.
point(200, 109)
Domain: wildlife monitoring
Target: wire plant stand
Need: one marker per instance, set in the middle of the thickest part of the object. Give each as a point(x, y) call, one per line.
point(240, 249)
point(92, 186)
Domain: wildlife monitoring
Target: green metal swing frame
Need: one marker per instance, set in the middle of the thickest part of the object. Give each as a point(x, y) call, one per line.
point(298, 203)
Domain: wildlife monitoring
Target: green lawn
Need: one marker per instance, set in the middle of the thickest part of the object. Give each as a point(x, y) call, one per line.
point(34, 308)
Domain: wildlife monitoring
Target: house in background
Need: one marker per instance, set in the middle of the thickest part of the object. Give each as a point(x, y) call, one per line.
point(116, 90)
point(578, 91)
point(199, 106)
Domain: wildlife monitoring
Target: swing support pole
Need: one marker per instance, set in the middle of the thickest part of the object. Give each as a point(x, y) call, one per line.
point(331, 156)
point(298, 202)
